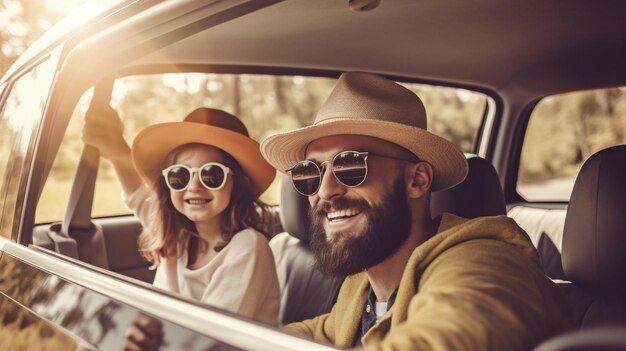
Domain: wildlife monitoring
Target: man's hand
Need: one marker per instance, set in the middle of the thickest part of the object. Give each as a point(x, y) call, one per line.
point(144, 334)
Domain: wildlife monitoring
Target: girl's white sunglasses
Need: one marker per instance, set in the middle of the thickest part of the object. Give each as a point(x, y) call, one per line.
point(212, 176)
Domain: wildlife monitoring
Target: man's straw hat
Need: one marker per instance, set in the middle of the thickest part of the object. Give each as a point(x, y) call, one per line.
point(366, 104)
point(204, 126)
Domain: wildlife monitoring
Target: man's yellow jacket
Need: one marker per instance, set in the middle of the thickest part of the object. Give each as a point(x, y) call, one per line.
point(474, 285)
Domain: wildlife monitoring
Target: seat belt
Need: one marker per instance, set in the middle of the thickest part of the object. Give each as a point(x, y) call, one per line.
point(77, 236)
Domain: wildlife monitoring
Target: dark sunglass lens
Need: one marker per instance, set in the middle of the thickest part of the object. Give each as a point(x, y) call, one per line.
point(212, 176)
point(350, 168)
point(178, 178)
point(306, 177)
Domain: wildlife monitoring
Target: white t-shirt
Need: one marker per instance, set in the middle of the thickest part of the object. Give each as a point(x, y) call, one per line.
point(380, 308)
point(241, 278)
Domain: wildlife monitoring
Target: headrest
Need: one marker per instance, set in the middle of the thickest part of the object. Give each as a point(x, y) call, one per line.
point(480, 194)
point(294, 210)
point(594, 236)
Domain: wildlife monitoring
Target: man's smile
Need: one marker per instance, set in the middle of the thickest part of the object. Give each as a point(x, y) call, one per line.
point(342, 214)
point(342, 220)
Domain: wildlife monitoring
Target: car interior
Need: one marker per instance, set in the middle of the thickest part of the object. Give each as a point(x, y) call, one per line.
point(544, 50)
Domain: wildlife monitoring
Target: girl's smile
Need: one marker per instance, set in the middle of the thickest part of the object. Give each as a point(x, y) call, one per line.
point(197, 201)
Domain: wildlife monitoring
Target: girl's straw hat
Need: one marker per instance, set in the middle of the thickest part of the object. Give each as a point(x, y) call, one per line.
point(204, 126)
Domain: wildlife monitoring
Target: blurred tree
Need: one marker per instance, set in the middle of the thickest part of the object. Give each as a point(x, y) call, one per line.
point(23, 21)
point(566, 129)
point(266, 104)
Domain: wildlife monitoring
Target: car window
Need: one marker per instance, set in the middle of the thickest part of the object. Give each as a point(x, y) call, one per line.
point(267, 104)
point(454, 114)
point(563, 131)
point(21, 113)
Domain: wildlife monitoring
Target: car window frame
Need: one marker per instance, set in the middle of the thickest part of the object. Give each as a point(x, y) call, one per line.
point(51, 58)
point(135, 282)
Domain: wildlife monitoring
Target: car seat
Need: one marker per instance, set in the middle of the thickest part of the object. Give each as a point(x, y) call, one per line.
point(594, 241)
point(479, 194)
point(594, 256)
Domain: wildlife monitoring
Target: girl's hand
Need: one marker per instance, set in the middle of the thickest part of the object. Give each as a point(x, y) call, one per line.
point(104, 130)
point(144, 334)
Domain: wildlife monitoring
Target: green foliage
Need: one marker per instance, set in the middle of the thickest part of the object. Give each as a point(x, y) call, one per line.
point(23, 21)
point(454, 114)
point(565, 130)
point(266, 104)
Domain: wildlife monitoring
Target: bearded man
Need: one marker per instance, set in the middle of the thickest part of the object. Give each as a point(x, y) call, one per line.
point(368, 166)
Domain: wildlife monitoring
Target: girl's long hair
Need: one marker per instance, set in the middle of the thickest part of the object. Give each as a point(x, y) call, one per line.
point(170, 233)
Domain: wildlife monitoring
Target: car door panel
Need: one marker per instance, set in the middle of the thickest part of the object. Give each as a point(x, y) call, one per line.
point(46, 299)
point(98, 306)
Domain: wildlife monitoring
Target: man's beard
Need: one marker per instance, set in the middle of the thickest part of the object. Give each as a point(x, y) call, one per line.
point(347, 253)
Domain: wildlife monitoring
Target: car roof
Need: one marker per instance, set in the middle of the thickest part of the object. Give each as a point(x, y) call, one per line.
point(530, 47)
point(525, 48)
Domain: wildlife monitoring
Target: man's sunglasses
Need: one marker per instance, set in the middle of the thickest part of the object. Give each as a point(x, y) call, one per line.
point(212, 176)
point(349, 167)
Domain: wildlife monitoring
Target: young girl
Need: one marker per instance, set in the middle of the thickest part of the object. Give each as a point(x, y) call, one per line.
point(204, 226)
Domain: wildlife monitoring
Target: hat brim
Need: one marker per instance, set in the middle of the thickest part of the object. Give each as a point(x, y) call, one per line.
point(449, 164)
point(154, 143)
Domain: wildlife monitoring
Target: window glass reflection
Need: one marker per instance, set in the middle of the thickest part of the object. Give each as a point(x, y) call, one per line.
point(94, 318)
point(23, 109)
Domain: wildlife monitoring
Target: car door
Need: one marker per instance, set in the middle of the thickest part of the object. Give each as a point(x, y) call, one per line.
point(50, 299)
